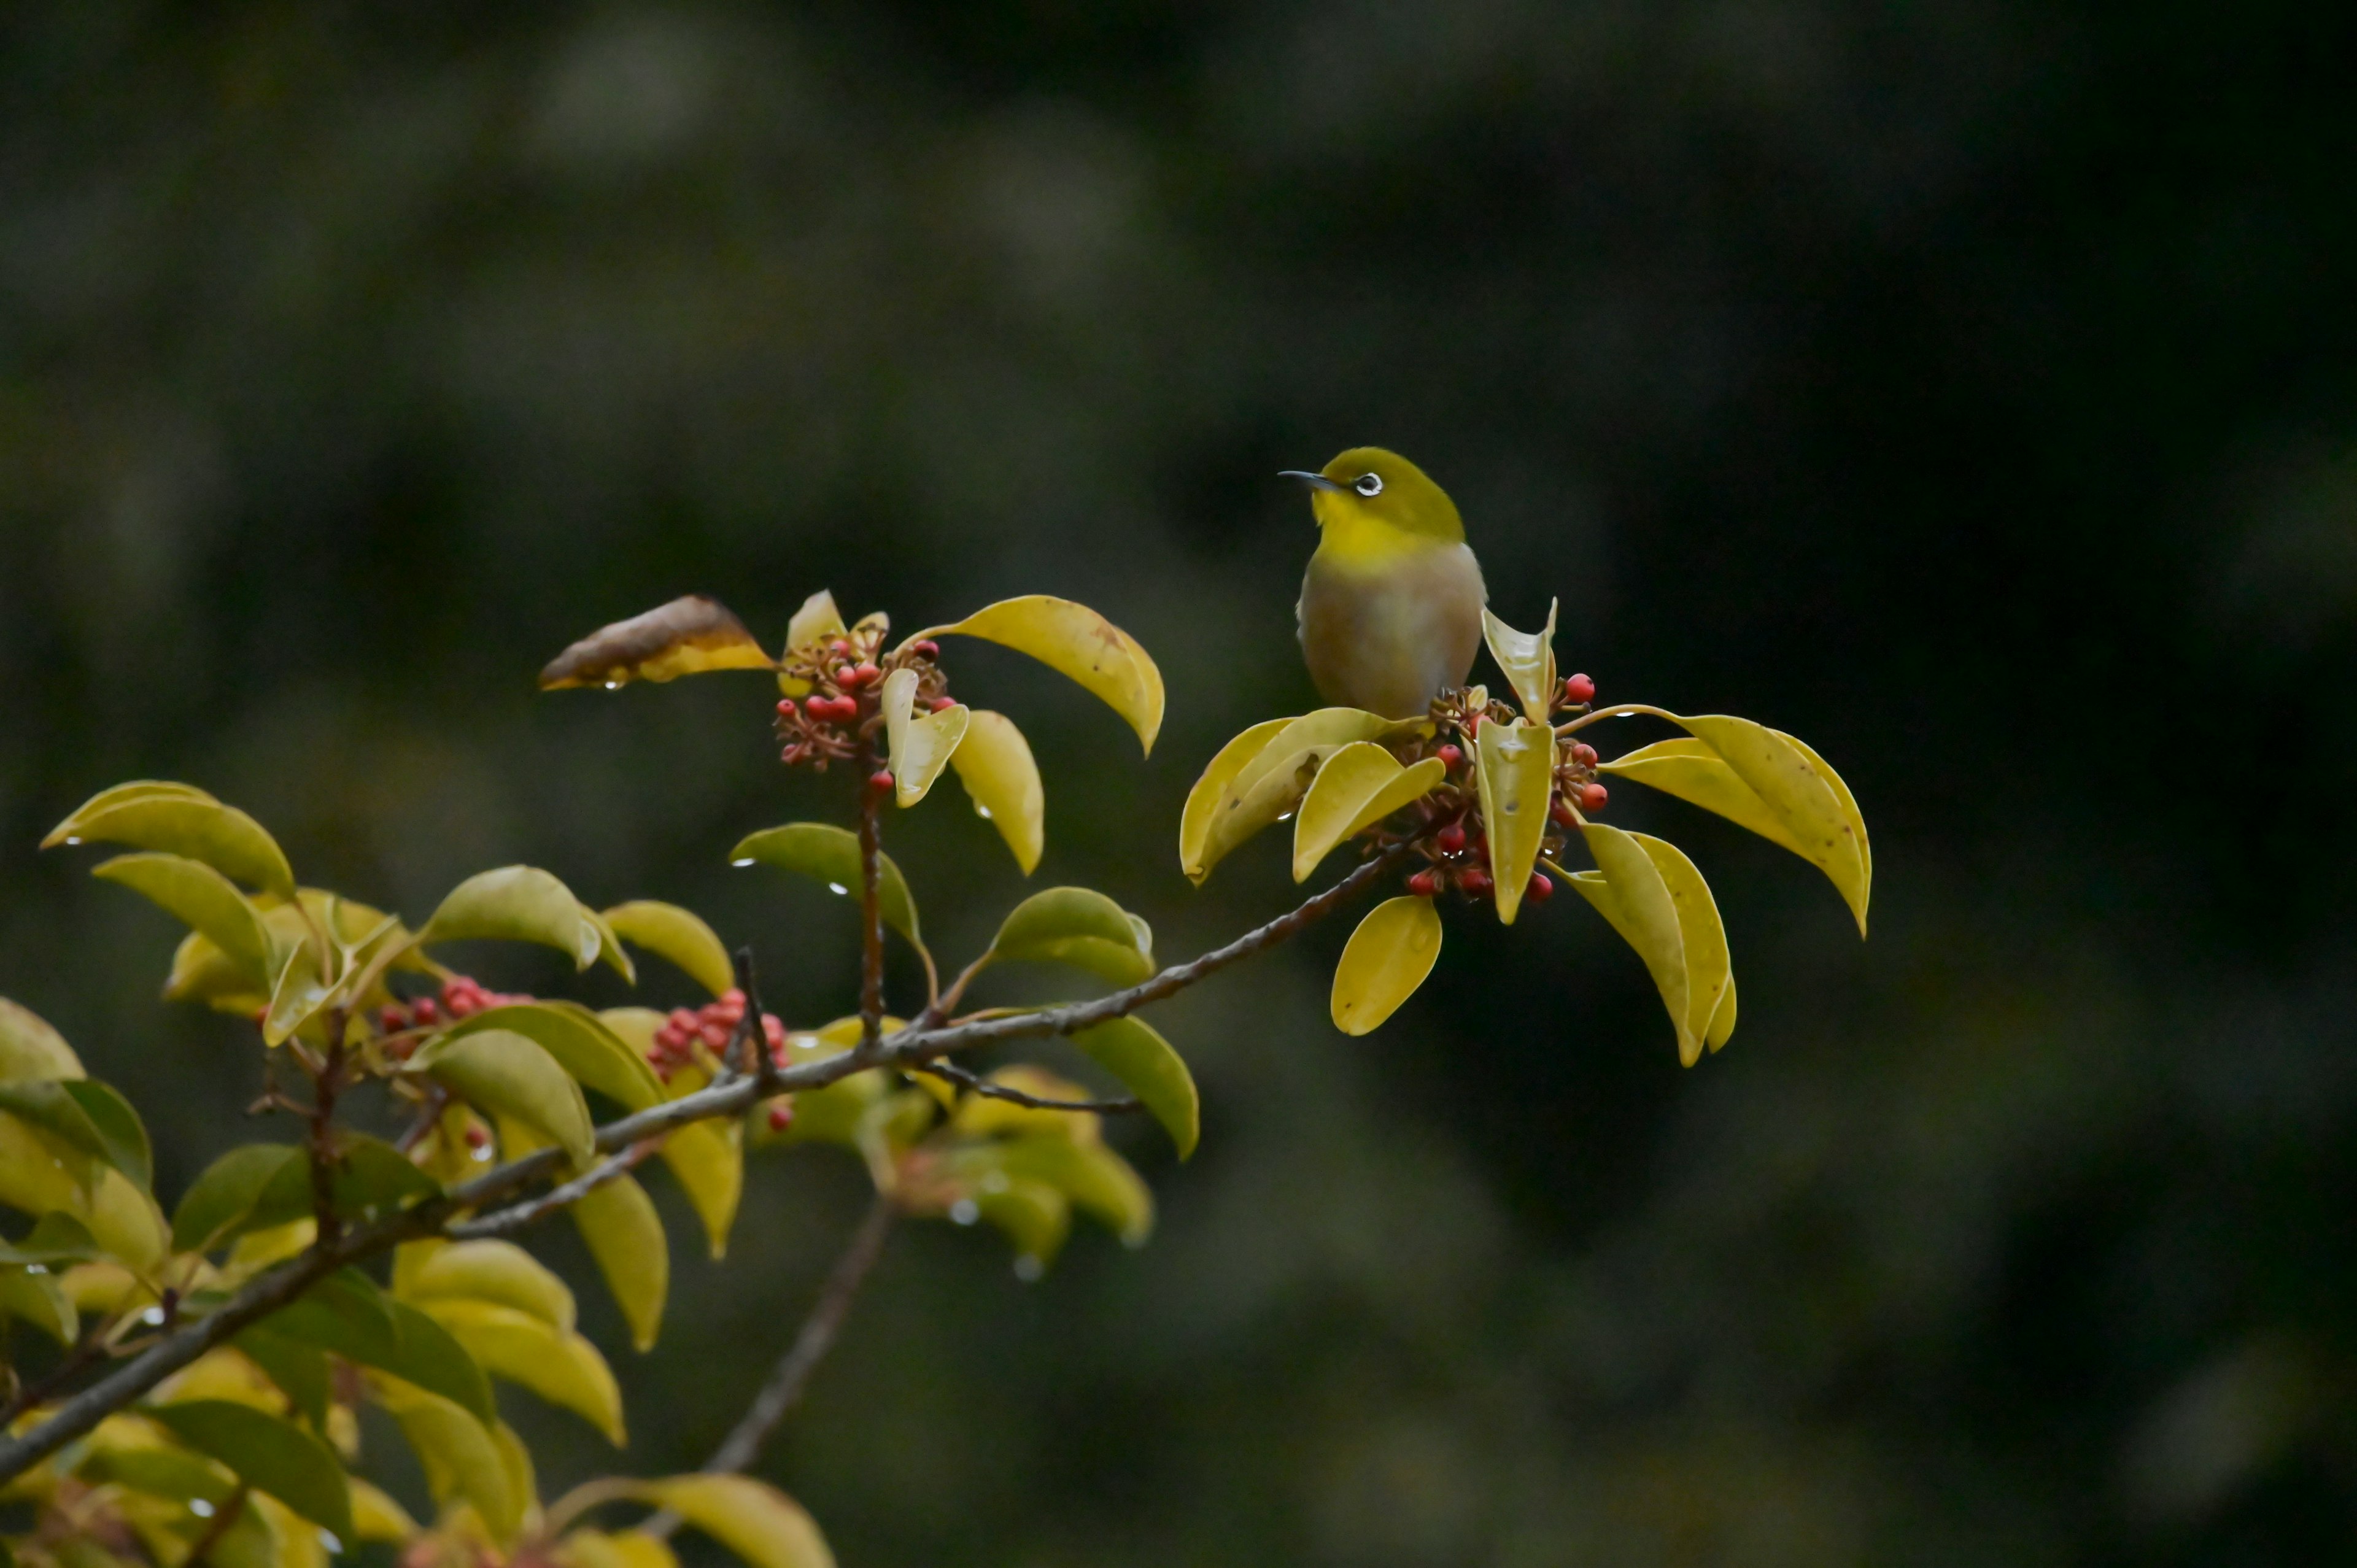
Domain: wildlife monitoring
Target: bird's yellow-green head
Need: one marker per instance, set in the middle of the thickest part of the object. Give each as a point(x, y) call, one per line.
point(1371, 502)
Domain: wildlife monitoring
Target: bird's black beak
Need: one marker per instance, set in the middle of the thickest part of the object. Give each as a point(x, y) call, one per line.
point(1314, 482)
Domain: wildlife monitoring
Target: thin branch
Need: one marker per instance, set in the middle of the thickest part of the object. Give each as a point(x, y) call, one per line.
point(871, 911)
point(516, 1218)
point(729, 1096)
point(792, 1373)
point(1622, 711)
point(914, 1045)
point(974, 1083)
point(749, 1047)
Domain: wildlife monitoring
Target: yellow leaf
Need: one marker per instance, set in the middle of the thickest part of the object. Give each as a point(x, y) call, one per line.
point(686, 637)
point(555, 1363)
point(1384, 962)
point(376, 1517)
point(517, 903)
point(202, 973)
point(680, 935)
point(1820, 821)
point(981, 1116)
point(180, 820)
point(1133, 1051)
point(460, 1456)
point(583, 1044)
point(1078, 643)
point(1856, 819)
point(1516, 773)
point(1034, 1217)
point(510, 1075)
point(1324, 730)
point(1528, 660)
point(630, 1549)
point(1359, 785)
point(490, 1270)
point(199, 897)
point(1691, 771)
point(919, 747)
point(994, 764)
point(1657, 900)
point(31, 1051)
point(817, 620)
point(756, 1521)
point(1203, 801)
point(618, 1222)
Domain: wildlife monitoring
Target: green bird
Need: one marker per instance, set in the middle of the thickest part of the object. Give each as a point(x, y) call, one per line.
point(1391, 607)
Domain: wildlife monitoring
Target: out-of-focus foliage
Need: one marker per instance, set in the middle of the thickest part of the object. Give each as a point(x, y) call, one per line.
point(1962, 387)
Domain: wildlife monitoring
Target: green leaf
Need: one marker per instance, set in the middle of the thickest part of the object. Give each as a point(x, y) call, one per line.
point(198, 896)
point(1098, 1181)
point(56, 1237)
point(919, 747)
point(219, 1202)
point(1131, 1051)
point(1384, 962)
point(30, 1050)
point(268, 1454)
point(370, 1178)
point(491, 1270)
point(202, 973)
point(1077, 643)
point(1813, 811)
point(582, 1042)
point(1203, 801)
point(88, 1116)
point(690, 634)
point(1358, 786)
point(1528, 661)
point(555, 1363)
point(618, 1222)
point(1516, 769)
point(347, 1315)
point(180, 820)
point(994, 764)
point(756, 1521)
point(510, 1074)
point(301, 1371)
point(830, 854)
point(517, 903)
point(35, 1298)
point(1080, 926)
point(1034, 1217)
point(1652, 894)
point(671, 932)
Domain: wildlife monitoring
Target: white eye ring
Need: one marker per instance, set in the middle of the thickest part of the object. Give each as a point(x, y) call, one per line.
point(1368, 484)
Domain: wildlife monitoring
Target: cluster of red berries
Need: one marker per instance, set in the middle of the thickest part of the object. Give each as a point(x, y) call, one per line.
point(712, 1026)
point(1465, 865)
point(461, 996)
point(843, 676)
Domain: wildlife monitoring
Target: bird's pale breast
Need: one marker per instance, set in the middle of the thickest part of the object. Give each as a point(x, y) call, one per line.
point(1387, 637)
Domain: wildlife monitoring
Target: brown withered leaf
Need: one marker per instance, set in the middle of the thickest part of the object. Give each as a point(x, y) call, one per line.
point(686, 637)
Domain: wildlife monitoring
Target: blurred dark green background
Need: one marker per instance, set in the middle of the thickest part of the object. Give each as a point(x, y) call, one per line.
point(1969, 388)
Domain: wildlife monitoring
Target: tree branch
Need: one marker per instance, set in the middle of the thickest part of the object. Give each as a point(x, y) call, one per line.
point(792, 1373)
point(871, 912)
point(974, 1083)
point(727, 1096)
point(516, 1217)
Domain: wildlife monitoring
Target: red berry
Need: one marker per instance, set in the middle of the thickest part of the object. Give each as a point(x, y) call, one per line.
point(425, 1011)
point(880, 779)
point(1449, 755)
point(839, 648)
point(475, 1136)
point(866, 674)
point(1582, 754)
point(1472, 725)
point(1476, 882)
point(940, 702)
point(1593, 796)
point(1540, 890)
point(389, 1018)
point(846, 707)
point(926, 647)
point(1578, 688)
point(847, 675)
point(1422, 884)
point(1560, 809)
point(1451, 839)
point(786, 708)
point(780, 1118)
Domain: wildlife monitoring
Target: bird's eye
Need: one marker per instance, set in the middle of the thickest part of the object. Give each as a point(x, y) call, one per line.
point(1369, 483)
